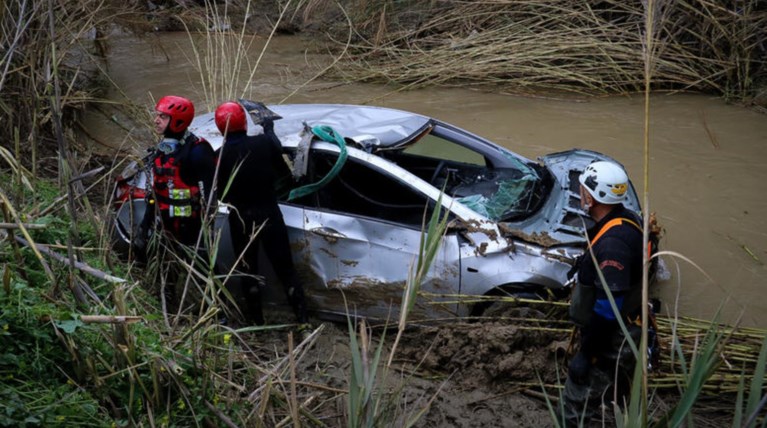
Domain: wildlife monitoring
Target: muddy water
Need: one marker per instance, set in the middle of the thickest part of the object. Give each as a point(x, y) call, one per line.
point(707, 158)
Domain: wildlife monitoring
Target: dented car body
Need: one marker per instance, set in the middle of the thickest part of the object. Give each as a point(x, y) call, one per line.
point(514, 225)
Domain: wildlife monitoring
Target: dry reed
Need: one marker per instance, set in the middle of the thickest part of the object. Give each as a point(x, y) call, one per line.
point(739, 354)
point(560, 45)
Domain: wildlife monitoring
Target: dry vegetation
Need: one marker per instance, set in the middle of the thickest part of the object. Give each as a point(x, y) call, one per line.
point(584, 47)
point(42, 87)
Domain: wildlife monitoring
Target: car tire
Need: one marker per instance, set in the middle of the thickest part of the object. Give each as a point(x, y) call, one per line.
point(506, 308)
point(125, 222)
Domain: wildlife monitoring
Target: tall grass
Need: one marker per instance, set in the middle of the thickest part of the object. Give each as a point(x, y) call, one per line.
point(222, 59)
point(87, 343)
point(50, 54)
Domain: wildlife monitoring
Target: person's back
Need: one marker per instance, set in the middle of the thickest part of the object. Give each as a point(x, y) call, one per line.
point(246, 175)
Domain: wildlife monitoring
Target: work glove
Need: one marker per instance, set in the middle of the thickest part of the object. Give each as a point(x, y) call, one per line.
point(268, 125)
point(304, 331)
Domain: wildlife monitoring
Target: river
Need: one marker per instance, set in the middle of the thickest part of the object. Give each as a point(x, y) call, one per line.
point(707, 158)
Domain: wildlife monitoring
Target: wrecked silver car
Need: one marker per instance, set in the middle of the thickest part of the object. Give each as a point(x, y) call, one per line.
point(514, 225)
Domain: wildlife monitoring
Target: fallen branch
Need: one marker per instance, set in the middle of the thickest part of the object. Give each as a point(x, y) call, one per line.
point(111, 319)
point(78, 265)
point(25, 225)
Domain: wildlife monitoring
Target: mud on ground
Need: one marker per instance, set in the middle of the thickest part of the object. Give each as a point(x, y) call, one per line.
point(493, 373)
point(483, 374)
point(488, 373)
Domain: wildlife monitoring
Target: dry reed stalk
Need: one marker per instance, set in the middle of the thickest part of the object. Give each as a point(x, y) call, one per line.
point(27, 226)
point(7, 207)
point(222, 56)
point(110, 319)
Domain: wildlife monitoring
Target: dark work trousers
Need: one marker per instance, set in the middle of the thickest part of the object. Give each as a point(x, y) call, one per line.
point(274, 239)
point(183, 230)
point(604, 357)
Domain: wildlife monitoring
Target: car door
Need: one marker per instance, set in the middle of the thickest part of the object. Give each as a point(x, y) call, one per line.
point(363, 234)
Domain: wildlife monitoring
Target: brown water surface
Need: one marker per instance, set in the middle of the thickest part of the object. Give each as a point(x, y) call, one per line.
point(707, 158)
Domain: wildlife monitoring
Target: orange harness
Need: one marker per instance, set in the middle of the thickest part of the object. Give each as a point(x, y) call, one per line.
point(616, 222)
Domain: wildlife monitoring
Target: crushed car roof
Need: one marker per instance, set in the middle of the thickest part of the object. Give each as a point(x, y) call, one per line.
point(385, 126)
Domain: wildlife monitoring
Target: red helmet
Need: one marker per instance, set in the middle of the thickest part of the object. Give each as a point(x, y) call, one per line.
point(230, 117)
point(180, 110)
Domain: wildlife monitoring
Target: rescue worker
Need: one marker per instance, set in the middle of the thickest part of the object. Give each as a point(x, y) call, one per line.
point(616, 244)
point(246, 181)
point(182, 171)
point(182, 166)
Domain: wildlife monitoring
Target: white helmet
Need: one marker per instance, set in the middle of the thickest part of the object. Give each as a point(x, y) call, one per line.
point(606, 182)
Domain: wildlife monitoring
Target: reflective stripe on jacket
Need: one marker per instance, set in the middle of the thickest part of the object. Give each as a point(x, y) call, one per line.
point(174, 197)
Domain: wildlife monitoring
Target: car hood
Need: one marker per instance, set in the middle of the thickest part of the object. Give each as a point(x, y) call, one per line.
point(560, 220)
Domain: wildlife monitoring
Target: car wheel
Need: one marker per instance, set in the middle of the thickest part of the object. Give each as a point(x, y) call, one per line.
point(125, 224)
point(508, 307)
point(503, 310)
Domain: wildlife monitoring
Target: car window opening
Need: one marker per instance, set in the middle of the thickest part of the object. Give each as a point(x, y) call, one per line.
point(360, 190)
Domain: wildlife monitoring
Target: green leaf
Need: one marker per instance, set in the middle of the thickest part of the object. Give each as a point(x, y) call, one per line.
point(738, 417)
point(757, 383)
point(69, 326)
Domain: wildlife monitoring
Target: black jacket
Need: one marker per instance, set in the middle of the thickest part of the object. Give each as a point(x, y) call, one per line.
point(248, 167)
point(618, 253)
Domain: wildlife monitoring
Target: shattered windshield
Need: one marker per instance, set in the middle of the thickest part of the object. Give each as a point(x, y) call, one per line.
point(503, 194)
point(511, 191)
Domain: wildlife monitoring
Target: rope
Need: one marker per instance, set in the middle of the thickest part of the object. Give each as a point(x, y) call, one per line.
point(328, 134)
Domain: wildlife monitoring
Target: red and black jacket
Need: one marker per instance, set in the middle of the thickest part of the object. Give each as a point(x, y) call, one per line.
point(178, 177)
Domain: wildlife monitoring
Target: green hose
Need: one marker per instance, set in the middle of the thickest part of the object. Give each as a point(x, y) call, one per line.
point(328, 134)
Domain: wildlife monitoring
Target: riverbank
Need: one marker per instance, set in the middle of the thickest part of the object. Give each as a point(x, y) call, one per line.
point(490, 46)
point(589, 49)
